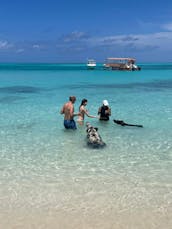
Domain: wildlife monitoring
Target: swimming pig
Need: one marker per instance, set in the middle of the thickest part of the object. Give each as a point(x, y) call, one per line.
point(122, 123)
point(93, 138)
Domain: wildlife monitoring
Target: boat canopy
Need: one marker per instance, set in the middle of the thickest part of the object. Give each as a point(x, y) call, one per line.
point(116, 58)
point(128, 59)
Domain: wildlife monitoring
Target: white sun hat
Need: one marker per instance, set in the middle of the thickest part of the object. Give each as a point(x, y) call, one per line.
point(105, 103)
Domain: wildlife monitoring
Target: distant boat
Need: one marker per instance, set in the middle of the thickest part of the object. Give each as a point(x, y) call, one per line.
point(114, 63)
point(91, 64)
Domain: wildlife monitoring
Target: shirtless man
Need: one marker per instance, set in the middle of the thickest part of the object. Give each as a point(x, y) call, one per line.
point(68, 111)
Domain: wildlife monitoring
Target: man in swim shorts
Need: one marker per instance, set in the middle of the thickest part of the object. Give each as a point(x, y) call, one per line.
point(68, 111)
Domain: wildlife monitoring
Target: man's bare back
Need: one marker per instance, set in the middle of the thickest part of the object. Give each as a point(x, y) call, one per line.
point(68, 111)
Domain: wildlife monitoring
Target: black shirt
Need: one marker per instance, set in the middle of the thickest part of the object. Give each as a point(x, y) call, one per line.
point(104, 115)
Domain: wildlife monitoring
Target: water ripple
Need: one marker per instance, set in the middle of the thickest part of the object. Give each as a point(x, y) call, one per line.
point(19, 89)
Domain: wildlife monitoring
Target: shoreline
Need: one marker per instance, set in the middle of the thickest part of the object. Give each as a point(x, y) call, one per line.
point(82, 218)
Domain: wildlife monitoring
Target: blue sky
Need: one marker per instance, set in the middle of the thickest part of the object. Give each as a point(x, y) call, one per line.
point(75, 30)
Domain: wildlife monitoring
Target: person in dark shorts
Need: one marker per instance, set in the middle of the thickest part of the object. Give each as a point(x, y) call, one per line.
point(68, 111)
point(104, 111)
point(70, 124)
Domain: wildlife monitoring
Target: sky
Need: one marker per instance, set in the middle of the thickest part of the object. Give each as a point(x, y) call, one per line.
point(72, 31)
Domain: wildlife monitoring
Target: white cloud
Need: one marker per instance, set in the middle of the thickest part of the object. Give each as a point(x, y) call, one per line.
point(19, 50)
point(168, 26)
point(5, 44)
point(80, 43)
point(75, 36)
point(161, 40)
point(36, 46)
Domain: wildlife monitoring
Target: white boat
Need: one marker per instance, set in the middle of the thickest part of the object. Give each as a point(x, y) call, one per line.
point(91, 64)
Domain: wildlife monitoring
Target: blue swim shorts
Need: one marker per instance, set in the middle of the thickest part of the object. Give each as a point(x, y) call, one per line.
point(70, 124)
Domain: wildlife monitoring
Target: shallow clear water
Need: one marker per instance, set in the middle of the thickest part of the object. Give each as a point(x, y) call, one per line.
point(45, 168)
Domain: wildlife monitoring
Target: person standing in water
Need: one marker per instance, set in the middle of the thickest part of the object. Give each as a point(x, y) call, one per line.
point(104, 111)
point(68, 111)
point(83, 112)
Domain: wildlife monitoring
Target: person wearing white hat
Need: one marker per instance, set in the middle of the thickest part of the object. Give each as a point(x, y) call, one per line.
point(104, 111)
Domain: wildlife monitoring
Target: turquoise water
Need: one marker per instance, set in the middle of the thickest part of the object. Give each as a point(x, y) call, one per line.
point(45, 168)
